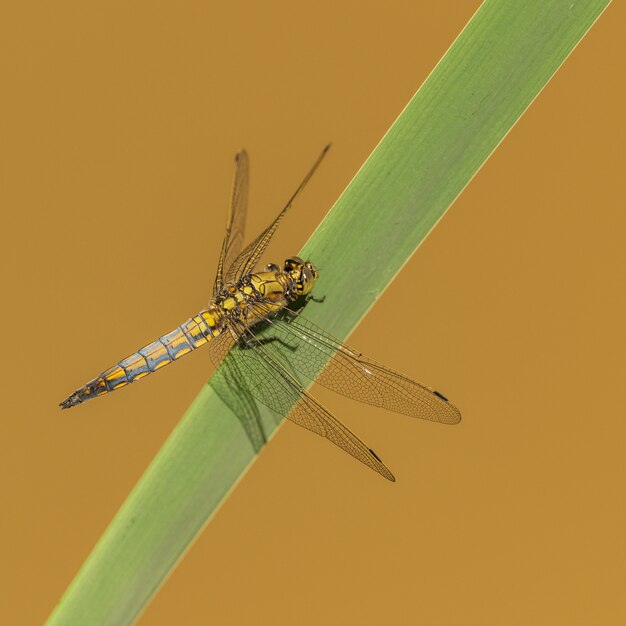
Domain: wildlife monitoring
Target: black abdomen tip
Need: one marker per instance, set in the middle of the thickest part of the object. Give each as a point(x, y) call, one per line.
point(70, 401)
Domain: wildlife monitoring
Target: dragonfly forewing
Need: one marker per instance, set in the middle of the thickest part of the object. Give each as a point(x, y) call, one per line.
point(235, 220)
point(319, 356)
point(251, 255)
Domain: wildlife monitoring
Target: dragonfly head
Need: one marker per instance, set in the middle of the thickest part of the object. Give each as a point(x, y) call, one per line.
point(303, 273)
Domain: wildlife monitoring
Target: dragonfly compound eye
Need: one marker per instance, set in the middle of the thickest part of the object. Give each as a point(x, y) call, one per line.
point(312, 268)
point(305, 280)
point(293, 263)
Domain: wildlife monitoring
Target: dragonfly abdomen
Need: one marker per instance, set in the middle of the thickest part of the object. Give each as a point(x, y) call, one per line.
point(195, 332)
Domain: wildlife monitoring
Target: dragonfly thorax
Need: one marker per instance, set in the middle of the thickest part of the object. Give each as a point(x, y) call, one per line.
point(273, 288)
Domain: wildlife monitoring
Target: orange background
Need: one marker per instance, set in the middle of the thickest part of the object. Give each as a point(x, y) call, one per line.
point(119, 123)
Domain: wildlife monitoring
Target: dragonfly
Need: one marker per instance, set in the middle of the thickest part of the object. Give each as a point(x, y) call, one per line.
point(253, 325)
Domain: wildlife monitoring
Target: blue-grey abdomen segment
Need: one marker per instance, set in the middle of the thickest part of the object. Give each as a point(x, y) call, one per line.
point(195, 332)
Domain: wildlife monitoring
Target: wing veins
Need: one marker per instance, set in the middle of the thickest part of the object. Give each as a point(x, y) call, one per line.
point(287, 397)
point(352, 374)
point(250, 256)
point(235, 220)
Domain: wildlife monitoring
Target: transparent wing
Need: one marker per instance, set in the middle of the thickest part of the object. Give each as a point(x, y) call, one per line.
point(310, 349)
point(230, 385)
point(269, 382)
point(247, 260)
point(235, 220)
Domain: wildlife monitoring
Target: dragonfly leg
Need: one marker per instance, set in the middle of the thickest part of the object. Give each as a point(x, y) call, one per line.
point(307, 298)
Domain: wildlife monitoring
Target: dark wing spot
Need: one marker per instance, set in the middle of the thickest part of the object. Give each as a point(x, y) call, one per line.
point(440, 395)
point(374, 453)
